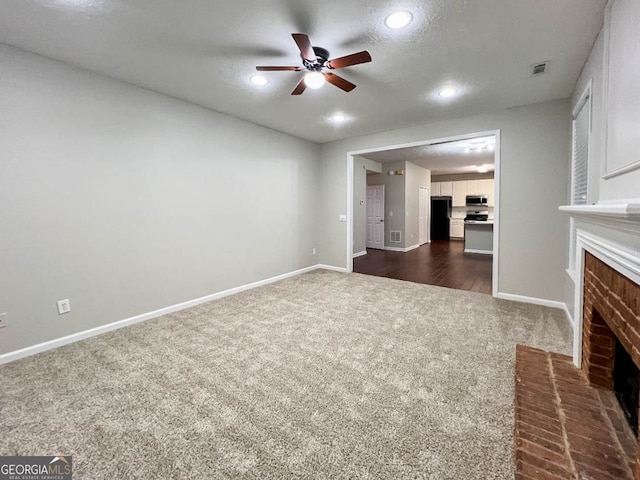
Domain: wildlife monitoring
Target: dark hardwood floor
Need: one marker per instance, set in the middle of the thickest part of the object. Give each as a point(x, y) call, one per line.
point(441, 262)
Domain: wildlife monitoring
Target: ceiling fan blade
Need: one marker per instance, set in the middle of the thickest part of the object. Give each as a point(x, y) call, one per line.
point(348, 60)
point(299, 88)
point(279, 69)
point(339, 82)
point(304, 44)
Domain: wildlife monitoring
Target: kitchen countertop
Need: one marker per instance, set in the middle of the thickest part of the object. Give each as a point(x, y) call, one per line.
point(479, 222)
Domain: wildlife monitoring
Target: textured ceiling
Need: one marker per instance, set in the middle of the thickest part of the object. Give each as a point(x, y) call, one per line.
point(462, 156)
point(204, 52)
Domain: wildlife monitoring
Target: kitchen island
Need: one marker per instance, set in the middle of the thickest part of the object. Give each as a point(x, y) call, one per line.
point(478, 236)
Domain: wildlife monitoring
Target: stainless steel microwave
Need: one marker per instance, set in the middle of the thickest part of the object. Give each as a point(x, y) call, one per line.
point(477, 200)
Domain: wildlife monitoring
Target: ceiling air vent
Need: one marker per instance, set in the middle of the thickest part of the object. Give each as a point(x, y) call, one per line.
point(539, 68)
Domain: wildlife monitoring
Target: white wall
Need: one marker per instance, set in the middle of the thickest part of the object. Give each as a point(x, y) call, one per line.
point(415, 178)
point(126, 201)
point(626, 186)
point(534, 181)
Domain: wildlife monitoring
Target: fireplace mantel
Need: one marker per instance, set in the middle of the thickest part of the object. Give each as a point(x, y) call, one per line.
point(628, 209)
point(620, 215)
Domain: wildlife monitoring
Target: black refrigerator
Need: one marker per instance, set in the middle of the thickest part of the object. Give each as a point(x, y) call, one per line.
point(440, 215)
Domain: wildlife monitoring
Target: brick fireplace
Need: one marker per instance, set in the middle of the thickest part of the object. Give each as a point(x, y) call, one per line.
point(576, 422)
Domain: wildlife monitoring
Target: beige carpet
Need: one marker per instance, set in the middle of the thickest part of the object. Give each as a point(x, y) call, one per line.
point(324, 375)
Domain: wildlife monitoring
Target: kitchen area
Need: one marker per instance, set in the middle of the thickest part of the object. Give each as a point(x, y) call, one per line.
point(436, 228)
point(463, 210)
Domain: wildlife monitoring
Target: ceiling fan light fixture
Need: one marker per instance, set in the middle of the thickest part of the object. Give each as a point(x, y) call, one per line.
point(398, 20)
point(314, 80)
point(259, 80)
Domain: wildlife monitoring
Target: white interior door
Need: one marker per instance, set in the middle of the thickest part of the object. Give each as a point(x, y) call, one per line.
point(375, 216)
point(424, 200)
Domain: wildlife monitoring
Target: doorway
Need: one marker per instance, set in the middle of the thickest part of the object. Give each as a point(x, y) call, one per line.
point(457, 256)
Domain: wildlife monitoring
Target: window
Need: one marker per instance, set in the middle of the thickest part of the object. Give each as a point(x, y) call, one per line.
point(579, 165)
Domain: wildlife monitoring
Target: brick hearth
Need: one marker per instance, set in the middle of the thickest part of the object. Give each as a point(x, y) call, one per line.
point(565, 428)
point(569, 424)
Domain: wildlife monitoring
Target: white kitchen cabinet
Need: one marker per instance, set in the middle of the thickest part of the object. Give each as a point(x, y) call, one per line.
point(486, 188)
point(435, 189)
point(446, 189)
point(473, 187)
point(459, 193)
point(456, 228)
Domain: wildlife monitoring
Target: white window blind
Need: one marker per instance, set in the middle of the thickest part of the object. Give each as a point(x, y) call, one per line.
point(580, 154)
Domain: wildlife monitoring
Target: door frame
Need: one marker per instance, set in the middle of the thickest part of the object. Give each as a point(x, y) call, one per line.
point(428, 227)
point(496, 210)
point(383, 214)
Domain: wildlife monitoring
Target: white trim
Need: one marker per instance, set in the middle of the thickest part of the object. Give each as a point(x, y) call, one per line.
point(586, 95)
point(569, 317)
point(533, 300)
point(350, 177)
point(496, 214)
point(483, 252)
point(621, 208)
point(401, 249)
point(59, 342)
point(496, 221)
point(573, 275)
point(359, 254)
point(619, 258)
point(333, 269)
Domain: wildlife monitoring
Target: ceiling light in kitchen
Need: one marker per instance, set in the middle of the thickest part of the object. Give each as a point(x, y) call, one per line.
point(448, 92)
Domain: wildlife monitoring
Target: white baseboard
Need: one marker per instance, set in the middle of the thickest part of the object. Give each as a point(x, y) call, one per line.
point(359, 254)
point(483, 252)
point(332, 268)
point(59, 342)
point(538, 301)
point(401, 249)
point(568, 315)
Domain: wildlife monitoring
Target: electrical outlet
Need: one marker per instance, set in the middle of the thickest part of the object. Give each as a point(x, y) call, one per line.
point(3, 320)
point(64, 306)
point(314, 251)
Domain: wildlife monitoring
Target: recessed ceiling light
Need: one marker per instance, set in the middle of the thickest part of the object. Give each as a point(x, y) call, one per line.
point(482, 169)
point(259, 80)
point(339, 118)
point(448, 92)
point(398, 20)
point(314, 80)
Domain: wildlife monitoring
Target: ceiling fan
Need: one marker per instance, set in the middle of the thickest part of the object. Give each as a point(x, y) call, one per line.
point(314, 61)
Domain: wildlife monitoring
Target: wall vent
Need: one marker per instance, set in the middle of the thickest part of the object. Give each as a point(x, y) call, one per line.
point(395, 236)
point(539, 68)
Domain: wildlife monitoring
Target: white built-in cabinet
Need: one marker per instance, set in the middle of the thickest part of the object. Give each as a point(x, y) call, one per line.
point(456, 228)
point(459, 194)
point(446, 189)
point(460, 189)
